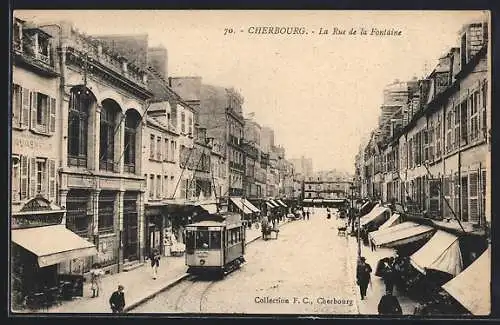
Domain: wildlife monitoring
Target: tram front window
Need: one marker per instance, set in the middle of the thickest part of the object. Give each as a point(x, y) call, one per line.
point(189, 241)
point(202, 239)
point(215, 240)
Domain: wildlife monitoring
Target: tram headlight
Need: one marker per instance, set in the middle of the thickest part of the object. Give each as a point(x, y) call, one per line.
point(202, 262)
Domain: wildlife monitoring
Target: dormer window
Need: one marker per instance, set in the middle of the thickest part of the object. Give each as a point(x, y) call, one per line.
point(17, 36)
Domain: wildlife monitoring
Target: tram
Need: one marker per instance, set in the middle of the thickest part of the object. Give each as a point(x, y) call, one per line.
point(215, 244)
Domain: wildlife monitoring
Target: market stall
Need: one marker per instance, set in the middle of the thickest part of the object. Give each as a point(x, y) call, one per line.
point(473, 285)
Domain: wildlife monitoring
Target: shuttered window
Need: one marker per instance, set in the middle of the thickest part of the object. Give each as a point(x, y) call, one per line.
point(152, 147)
point(43, 112)
point(15, 178)
point(17, 106)
point(158, 187)
point(464, 196)
point(434, 196)
point(474, 197)
point(24, 193)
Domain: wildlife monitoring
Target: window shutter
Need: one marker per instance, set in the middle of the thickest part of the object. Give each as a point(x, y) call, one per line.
point(25, 94)
point(52, 123)
point(52, 179)
point(473, 197)
point(16, 106)
point(24, 177)
point(33, 178)
point(34, 101)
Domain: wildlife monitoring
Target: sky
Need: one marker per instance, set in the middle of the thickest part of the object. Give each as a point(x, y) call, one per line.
point(320, 93)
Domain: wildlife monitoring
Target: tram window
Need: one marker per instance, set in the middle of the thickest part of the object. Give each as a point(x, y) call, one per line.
point(214, 239)
point(189, 239)
point(238, 238)
point(202, 239)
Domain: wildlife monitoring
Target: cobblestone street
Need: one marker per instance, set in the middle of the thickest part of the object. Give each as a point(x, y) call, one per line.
point(307, 270)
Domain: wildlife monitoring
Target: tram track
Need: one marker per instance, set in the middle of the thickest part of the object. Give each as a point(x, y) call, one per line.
point(189, 295)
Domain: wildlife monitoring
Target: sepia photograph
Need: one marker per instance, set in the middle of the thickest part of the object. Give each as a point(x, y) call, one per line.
point(250, 162)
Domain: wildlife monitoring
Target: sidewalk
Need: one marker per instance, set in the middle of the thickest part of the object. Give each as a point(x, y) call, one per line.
point(369, 306)
point(138, 283)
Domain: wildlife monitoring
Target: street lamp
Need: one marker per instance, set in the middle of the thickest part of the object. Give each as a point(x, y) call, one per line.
point(359, 223)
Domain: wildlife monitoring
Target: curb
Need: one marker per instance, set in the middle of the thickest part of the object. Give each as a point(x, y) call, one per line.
point(154, 294)
point(171, 284)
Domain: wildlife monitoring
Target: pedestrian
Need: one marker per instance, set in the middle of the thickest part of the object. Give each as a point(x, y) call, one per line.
point(363, 276)
point(389, 305)
point(303, 214)
point(307, 214)
point(95, 279)
point(154, 258)
point(328, 215)
point(117, 300)
point(388, 275)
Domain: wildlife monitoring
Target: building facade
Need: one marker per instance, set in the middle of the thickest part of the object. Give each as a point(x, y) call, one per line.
point(436, 162)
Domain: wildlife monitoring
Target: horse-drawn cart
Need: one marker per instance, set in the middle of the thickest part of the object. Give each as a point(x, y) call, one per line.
point(267, 229)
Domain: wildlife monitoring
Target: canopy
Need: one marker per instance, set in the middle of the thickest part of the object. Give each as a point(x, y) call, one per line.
point(441, 253)
point(210, 207)
point(376, 235)
point(403, 236)
point(274, 204)
point(53, 244)
point(472, 287)
point(317, 200)
point(249, 205)
point(239, 202)
point(392, 221)
point(376, 215)
point(281, 202)
point(307, 200)
point(334, 200)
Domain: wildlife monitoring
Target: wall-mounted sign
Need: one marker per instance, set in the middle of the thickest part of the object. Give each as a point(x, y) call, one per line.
point(36, 220)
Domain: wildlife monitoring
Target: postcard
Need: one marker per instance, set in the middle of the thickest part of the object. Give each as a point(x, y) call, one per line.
point(239, 162)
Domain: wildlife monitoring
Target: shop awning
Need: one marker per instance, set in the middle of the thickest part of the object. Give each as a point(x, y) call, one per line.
point(275, 205)
point(269, 204)
point(282, 203)
point(392, 221)
point(249, 205)
point(210, 207)
point(317, 200)
point(377, 235)
point(307, 200)
point(441, 253)
point(53, 244)
point(238, 201)
point(376, 215)
point(334, 200)
point(403, 236)
point(472, 287)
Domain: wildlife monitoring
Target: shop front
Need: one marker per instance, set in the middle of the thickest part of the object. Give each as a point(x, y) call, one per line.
point(154, 218)
point(40, 243)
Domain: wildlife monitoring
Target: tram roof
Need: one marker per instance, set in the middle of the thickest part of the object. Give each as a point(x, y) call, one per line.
point(227, 219)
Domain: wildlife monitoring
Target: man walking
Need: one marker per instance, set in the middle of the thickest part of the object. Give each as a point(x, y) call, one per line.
point(154, 257)
point(117, 300)
point(363, 276)
point(307, 214)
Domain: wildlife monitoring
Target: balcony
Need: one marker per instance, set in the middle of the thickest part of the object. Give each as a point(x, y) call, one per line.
point(236, 166)
point(33, 57)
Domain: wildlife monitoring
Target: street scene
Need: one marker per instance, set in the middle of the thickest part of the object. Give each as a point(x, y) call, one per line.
point(219, 162)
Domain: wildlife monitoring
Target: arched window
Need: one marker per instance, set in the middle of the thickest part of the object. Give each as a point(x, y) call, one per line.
point(108, 126)
point(131, 123)
point(81, 100)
